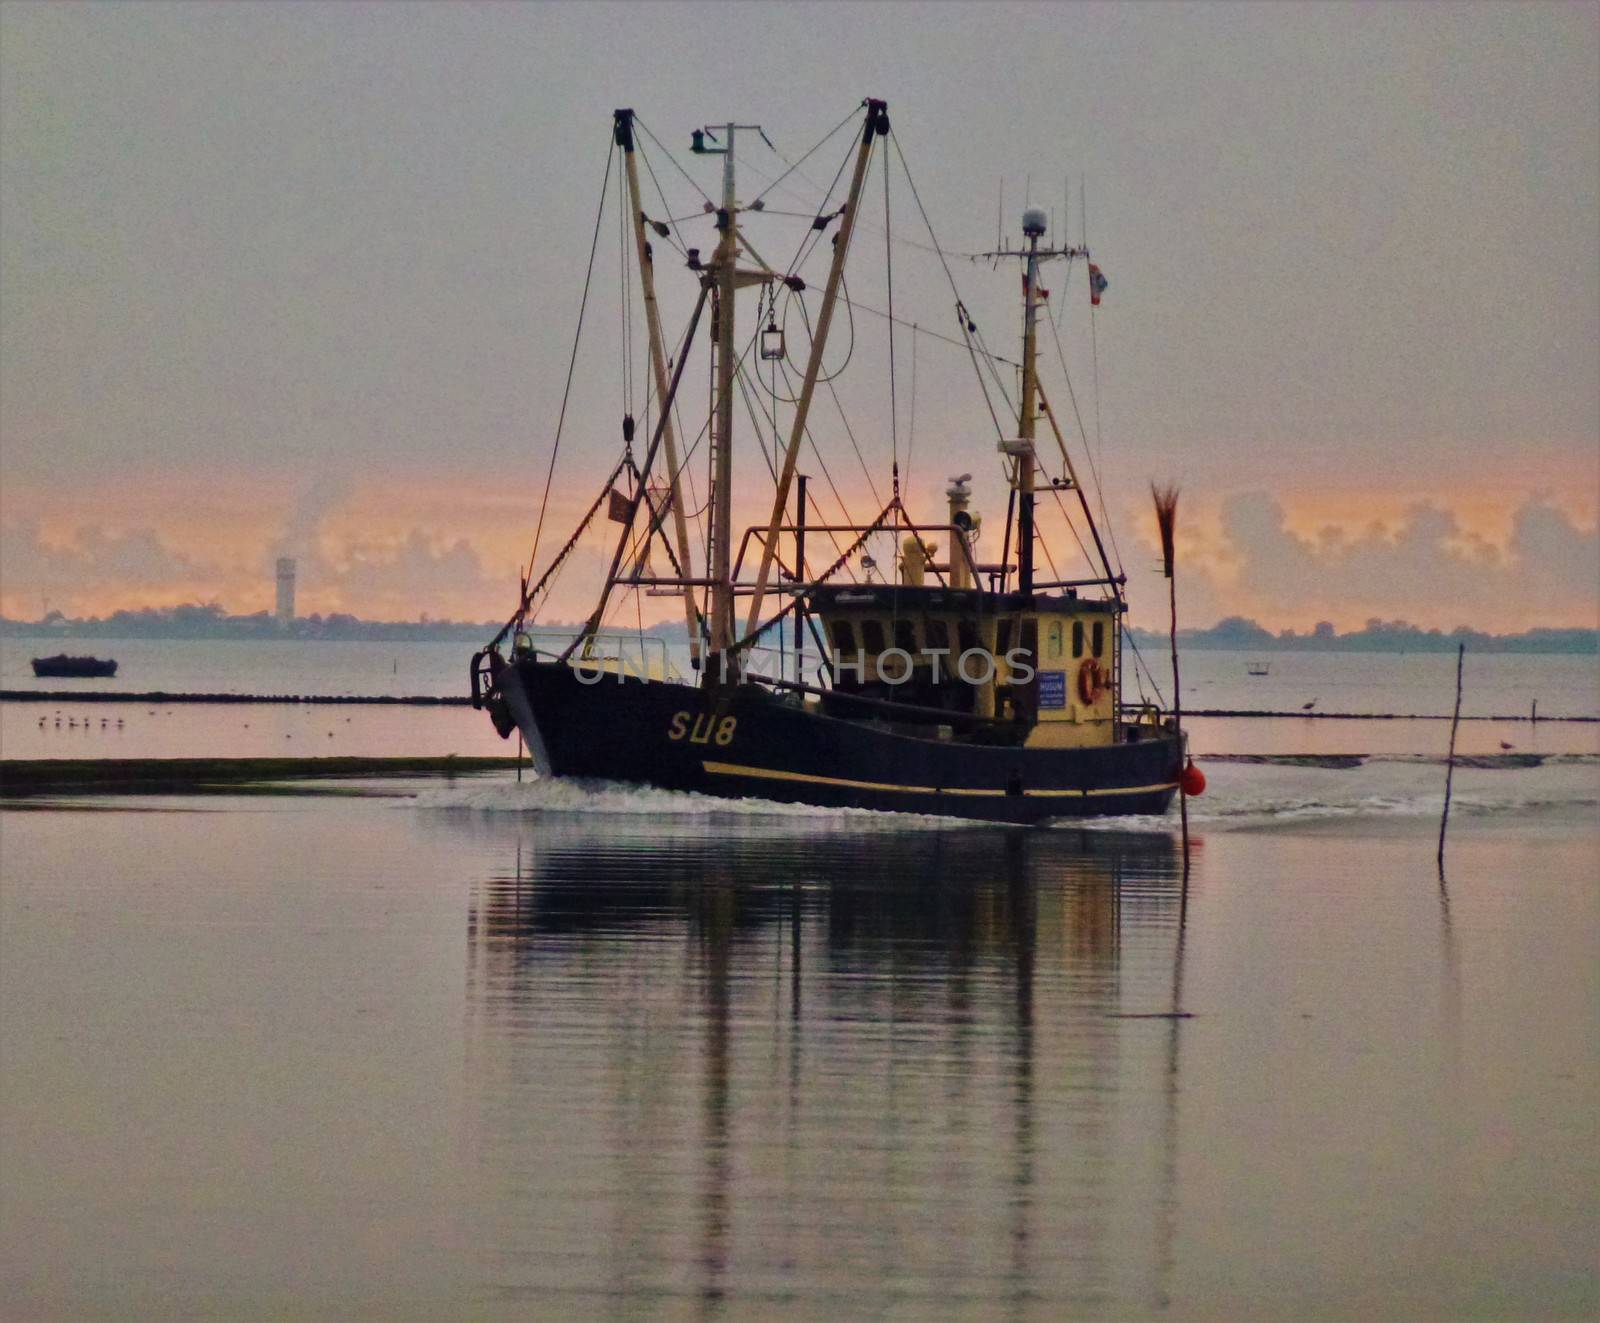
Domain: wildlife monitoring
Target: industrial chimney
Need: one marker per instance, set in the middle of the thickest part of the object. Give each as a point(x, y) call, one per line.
point(285, 591)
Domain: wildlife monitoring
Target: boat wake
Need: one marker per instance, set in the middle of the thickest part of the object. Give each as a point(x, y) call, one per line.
point(1259, 791)
point(1245, 792)
point(562, 795)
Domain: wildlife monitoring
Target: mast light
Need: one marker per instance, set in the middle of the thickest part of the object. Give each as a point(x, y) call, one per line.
point(771, 341)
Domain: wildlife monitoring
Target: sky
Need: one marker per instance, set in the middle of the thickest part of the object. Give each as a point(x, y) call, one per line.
point(303, 279)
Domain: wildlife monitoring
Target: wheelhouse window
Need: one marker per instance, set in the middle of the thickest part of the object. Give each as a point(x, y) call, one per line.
point(844, 636)
point(1099, 638)
point(905, 634)
point(1077, 638)
point(938, 632)
point(1054, 639)
point(872, 636)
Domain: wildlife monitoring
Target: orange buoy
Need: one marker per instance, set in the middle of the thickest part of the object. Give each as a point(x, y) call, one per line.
point(1192, 779)
point(1091, 681)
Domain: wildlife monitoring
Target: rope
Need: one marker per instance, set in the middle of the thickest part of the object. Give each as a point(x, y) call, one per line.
point(961, 314)
point(577, 339)
point(1071, 527)
point(1094, 348)
point(1088, 454)
point(933, 335)
point(854, 111)
point(640, 124)
point(676, 239)
point(911, 439)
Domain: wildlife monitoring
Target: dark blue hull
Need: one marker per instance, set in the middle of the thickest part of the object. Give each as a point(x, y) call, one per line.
point(746, 741)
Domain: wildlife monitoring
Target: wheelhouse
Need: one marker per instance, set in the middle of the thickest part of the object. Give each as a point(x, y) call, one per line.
point(1044, 664)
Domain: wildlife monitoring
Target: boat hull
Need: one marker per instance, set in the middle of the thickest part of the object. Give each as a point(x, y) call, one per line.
point(747, 742)
point(74, 668)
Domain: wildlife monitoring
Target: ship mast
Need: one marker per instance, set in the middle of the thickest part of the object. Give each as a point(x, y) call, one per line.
point(724, 270)
point(658, 364)
point(1022, 448)
point(1033, 229)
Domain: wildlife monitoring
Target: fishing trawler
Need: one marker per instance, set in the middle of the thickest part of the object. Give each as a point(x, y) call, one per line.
point(907, 680)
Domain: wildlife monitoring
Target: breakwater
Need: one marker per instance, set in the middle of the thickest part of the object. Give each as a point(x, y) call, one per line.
point(161, 696)
point(198, 775)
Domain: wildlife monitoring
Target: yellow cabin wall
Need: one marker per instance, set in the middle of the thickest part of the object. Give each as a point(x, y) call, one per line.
point(1074, 723)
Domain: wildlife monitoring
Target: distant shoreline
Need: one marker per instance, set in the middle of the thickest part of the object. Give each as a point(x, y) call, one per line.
point(1232, 634)
point(452, 700)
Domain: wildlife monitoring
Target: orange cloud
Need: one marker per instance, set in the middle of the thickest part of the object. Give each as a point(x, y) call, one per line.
point(401, 543)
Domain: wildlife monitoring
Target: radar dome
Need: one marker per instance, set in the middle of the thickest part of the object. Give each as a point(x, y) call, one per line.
point(1033, 221)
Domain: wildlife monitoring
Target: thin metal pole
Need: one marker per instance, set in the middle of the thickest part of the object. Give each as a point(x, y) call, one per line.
point(722, 436)
point(1177, 723)
point(800, 576)
point(1450, 764)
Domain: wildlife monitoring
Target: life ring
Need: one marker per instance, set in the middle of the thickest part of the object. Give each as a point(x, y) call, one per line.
point(1091, 682)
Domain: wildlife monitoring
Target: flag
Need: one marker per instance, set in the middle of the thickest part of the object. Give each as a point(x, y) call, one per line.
point(617, 507)
point(1043, 292)
point(1097, 285)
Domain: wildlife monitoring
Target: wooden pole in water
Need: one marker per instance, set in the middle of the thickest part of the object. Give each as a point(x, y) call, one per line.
point(1450, 762)
point(1166, 500)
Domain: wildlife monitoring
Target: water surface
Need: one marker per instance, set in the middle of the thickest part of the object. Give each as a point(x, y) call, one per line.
point(564, 1052)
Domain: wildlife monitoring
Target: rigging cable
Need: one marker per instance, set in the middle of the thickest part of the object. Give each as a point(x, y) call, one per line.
point(972, 352)
point(969, 327)
point(823, 464)
point(577, 339)
point(911, 437)
point(821, 143)
point(1088, 453)
point(675, 235)
point(646, 129)
point(1094, 348)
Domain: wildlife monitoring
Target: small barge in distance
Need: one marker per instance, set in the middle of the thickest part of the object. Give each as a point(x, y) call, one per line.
point(62, 666)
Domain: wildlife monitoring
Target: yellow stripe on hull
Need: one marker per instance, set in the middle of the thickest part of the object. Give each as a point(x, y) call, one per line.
point(774, 774)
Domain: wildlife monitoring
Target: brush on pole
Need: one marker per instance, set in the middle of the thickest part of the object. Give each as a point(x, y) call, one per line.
point(1450, 762)
point(1166, 501)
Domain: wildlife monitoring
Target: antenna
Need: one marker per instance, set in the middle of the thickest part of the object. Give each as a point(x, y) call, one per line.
point(999, 213)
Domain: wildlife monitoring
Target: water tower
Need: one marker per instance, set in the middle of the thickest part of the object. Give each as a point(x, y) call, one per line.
point(285, 591)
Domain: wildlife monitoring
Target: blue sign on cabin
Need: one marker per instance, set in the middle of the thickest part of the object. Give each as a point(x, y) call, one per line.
point(1052, 688)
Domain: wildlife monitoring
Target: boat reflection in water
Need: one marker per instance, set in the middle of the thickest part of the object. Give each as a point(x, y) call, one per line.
point(788, 1066)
